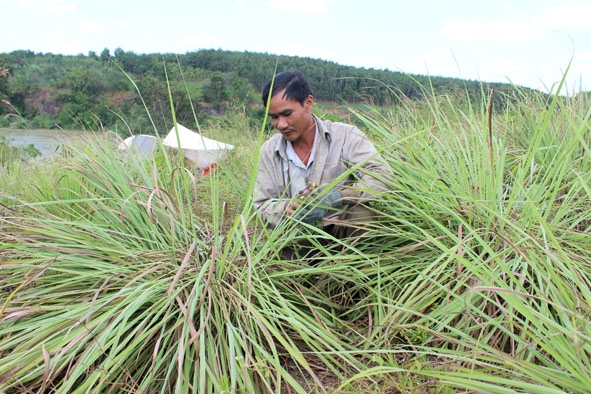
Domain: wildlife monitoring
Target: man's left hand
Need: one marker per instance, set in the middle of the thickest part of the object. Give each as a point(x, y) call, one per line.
point(318, 204)
point(327, 197)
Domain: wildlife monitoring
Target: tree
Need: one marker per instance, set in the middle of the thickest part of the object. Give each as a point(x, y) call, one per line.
point(241, 89)
point(105, 56)
point(214, 91)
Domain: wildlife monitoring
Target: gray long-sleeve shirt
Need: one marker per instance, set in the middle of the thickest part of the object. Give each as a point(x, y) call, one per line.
point(347, 147)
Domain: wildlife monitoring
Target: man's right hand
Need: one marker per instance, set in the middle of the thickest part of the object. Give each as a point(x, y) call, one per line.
point(291, 207)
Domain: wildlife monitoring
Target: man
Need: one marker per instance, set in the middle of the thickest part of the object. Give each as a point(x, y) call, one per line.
point(314, 171)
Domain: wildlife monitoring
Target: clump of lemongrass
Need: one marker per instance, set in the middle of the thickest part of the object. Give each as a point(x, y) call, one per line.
point(488, 264)
point(112, 282)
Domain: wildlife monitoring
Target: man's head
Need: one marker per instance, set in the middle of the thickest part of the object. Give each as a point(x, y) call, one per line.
point(296, 87)
point(290, 107)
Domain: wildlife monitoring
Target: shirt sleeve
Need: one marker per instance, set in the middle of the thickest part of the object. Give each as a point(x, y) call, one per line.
point(361, 153)
point(268, 195)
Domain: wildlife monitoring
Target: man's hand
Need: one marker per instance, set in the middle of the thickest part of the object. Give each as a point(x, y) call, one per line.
point(327, 197)
point(318, 202)
point(291, 207)
point(310, 214)
point(307, 192)
point(307, 214)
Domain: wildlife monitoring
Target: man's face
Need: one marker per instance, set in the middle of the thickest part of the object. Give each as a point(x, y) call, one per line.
point(291, 118)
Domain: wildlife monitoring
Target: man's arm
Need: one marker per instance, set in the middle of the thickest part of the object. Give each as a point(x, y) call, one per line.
point(268, 198)
point(360, 151)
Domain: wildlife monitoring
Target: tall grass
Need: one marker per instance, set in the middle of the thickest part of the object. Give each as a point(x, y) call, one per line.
point(495, 268)
point(124, 275)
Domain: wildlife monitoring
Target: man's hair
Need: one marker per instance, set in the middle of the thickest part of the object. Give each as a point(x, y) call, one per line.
point(295, 84)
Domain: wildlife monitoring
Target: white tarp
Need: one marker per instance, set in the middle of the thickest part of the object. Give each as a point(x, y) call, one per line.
point(200, 150)
point(143, 144)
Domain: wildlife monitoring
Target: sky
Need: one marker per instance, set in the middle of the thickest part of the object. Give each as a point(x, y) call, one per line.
point(529, 43)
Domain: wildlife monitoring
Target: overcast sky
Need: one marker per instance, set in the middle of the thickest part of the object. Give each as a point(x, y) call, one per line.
point(526, 42)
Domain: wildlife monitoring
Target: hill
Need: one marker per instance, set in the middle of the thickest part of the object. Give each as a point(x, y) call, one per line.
point(127, 91)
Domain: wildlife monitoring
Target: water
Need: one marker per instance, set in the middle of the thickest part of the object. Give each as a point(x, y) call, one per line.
point(45, 141)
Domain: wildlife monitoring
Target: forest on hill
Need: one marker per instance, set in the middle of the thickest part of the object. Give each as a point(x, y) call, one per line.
point(125, 91)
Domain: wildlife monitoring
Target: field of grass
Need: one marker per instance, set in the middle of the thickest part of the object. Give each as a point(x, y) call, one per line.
point(120, 275)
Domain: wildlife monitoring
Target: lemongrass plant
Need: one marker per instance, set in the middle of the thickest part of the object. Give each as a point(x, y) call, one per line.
point(491, 288)
point(125, 275)
point(120, 274)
